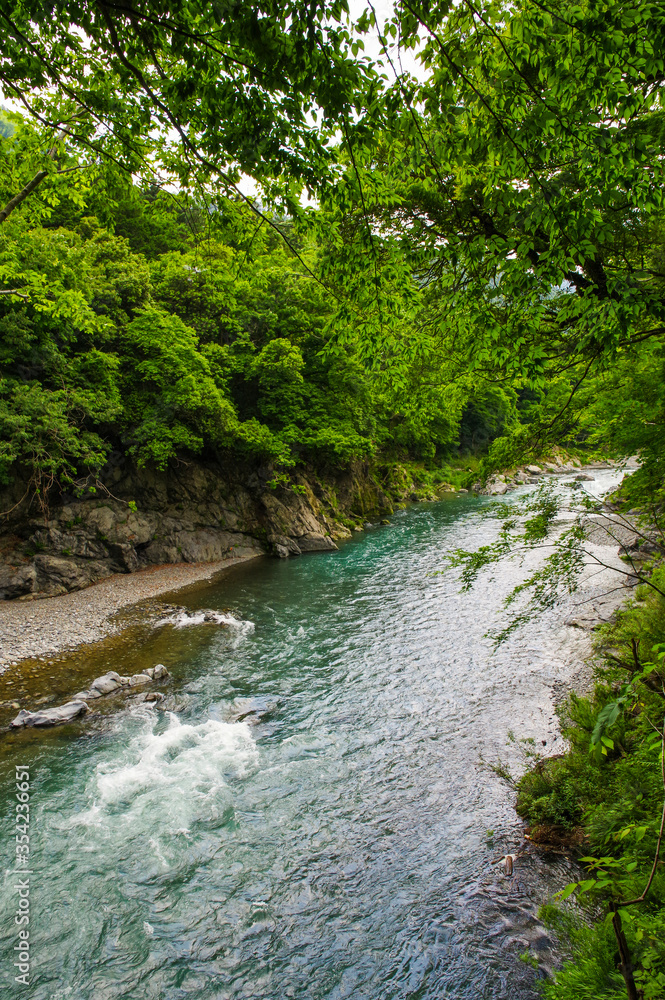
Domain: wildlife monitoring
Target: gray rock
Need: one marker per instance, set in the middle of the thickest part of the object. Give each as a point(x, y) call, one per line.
point(314, 542)
point(125, 555)
point(50, 716)
point(139, 680)
point(284, 546)
point(106, 684)
point(584, 478)
point(16, 580)
point(102, 519)
point(534, 470)
point(533, 480)
point(159, 671)
point(496, 489)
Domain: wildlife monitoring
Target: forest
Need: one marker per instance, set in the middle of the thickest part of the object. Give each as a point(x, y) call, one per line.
point(303, 234)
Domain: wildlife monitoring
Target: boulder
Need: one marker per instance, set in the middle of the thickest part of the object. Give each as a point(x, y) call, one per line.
point(284, 546)
point(57, 576)
point(315, 542)
point(159, 671)
point(125, 555)
point(106, 684)
point(102, 519)
point(50, 716)
point(584, 478)
point(550, 467)
point(496, 489)
point(15, 581)
point(139, 680)
point(534, 470)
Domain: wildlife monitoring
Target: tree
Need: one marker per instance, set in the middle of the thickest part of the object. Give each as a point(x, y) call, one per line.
point(522, 182)
point(199, 91)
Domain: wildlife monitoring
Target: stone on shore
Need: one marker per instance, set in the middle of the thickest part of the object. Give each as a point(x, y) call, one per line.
point(50, 716)
point(534, 470)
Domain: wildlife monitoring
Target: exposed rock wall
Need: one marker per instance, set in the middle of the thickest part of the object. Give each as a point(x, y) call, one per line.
point(191, 512)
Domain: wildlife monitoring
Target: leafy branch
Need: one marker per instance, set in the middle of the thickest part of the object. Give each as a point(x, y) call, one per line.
point(561, 571)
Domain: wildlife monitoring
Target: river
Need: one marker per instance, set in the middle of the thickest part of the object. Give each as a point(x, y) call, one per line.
point(311, 817)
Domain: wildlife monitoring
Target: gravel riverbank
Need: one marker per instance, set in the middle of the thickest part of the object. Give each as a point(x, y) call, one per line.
point(43, 628)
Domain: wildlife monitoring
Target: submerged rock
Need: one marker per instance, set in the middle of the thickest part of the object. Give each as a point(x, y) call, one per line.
point(584, 478)
point(50, 716)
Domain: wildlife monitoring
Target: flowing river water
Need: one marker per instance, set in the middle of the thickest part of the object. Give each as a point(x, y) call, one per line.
point(308, 815)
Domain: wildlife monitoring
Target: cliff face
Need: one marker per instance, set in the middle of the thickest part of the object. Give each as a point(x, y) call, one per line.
point(191, 512)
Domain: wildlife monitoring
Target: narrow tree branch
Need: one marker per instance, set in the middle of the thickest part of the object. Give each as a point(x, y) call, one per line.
point(22, 195)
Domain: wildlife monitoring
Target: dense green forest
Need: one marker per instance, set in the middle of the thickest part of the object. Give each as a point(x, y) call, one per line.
point(141, 323)
point(463, 257)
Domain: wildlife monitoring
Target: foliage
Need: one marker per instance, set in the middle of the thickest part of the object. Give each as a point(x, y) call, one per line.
point(617, 797)
point(202, 344)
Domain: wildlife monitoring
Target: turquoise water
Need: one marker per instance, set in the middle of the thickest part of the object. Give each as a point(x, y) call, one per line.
point(309, 816)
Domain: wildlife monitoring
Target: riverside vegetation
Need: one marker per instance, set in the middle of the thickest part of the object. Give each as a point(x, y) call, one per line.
point(478, 274)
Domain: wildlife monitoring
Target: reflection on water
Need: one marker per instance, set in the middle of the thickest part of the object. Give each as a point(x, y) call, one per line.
point(307, 817)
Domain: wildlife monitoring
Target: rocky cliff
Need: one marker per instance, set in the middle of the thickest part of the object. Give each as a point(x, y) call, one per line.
point(191, 512)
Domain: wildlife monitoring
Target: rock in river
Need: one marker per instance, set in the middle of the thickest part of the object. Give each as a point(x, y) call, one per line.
point(107, 683)
point(50, 716)
point(139, 680)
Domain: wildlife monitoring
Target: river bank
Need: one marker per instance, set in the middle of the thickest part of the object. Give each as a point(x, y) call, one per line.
point(41, 629)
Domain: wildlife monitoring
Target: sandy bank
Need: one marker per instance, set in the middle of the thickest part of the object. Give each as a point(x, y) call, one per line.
point(42, 628)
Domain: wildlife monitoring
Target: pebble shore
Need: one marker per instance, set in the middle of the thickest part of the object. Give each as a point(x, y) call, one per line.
point(31, 629)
